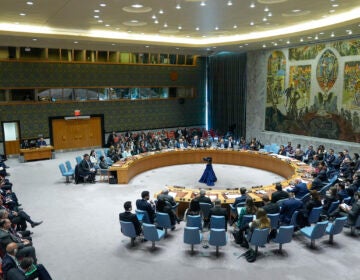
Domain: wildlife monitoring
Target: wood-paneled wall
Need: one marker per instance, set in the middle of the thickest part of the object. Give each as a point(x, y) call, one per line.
point(76, 133)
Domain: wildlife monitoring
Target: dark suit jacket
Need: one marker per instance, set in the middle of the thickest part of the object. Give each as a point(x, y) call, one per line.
point(271, 208)
point(219, 211)
point(6, 238)
point(288, 208)
point(167, 198)
point(130, 217)
point(204, 199)
point(7, 264)
point(239, 199)
point(278, 195)
point(300, 190)
point(354, 213)
point(15, 274)
point(142, 204)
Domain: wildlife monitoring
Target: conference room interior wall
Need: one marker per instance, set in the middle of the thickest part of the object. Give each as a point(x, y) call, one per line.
point(119, 115)
point(256, 114)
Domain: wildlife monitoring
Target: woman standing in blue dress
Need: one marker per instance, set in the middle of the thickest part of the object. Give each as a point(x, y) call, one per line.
point(208, 177)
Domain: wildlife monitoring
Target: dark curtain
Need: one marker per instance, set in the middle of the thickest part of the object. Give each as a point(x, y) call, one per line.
point(227, 93)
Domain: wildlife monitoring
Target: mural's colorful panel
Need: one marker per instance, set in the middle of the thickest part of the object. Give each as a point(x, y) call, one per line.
point(320, 101)
point(276, 77)
point(347, 48)
point(305, 52)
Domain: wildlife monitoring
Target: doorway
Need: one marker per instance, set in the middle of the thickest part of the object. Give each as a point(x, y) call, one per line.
point(11, 132)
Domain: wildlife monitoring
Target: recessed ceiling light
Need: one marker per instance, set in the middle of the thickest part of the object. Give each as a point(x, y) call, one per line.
point(252, 23)
point(252, 5)
point(165, 24)
point(241, 46)
point(161, 11)
point(235, 26)
point(100, 21)
point(229, 3)
point(332, 34)
point(202, 3)
point(147, 46)
point(216, 28)
point(204, 36)
point(30, 2)
point(113, 44)
point(301, 40)
point(179, 27)
point(107, 25)
point(76, 42)
point(153, 17)
point(266, 9)
point(270, 14)
point(335, 5)
point(264, 19)
point(349, 31)
point(156, 21)
point(96, 16)
point(134, 21)
point(178, 7)
point(264, 46)
point(296, 11)
point(96, 11)
point(309, 37)
point(137, 6)
point(321, 33)
point(287, 42)
point(22, 14)
point(102, 5)
point(177, 48)
point(197, 28)
point(316, 37)
point(34, 39)
point(332, 11)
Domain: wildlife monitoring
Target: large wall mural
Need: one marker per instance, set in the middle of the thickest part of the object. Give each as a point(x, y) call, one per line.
point(322, 93)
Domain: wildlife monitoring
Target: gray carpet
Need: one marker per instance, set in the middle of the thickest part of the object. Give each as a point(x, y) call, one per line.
point(80, 237)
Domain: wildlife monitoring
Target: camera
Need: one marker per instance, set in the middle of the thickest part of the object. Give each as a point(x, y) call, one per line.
point(207, 159)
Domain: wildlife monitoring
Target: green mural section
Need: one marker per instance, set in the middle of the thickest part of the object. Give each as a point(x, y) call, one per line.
point(119, 115)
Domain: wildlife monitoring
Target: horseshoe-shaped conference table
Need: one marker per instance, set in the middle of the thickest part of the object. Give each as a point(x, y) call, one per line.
point(283, 166)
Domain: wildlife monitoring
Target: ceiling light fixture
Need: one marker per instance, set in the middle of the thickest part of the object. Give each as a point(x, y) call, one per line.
point(266, 9)
point(235, 26)
point(349, 31)
point(197, 28)
point(270, 14)
point(332, 34)
point(102, 5)
point(30, 3)
point(179, 27)
point(264, 19)
point(229, 3)
point(316, 37)
point(161, 12)
point(153, 17)
point(156, 21)
point(178, 7)
point(264, 46)
point(252, 5)
point(301, 40)
point(288, 42)
point(216, 28)
point(96, 11)
point(202, 3)
point(22, 14)
point(165, 25)
point(137, 6)
point(252, 23)
point(96, 16)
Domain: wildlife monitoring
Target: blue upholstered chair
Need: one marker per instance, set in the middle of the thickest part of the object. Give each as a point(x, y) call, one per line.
point(314, 215)
point(194, 221)
point(152, 234)
point(192, 236)
point(217, 222)
point(144, 215)
point(69, 167)
point(333, 206)
point(335, 227)
point(284, 235)
point(314, 232)
point(293, 221)
point(163, 221)
point(274, 220)
point(65, 173)
point(217, 238)
point(128, 229)
point(78, 159)
point(347, 200)
point(246, 219)
point(259, 237)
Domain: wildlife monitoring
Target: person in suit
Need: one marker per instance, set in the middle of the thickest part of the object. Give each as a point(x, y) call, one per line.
point(242, 198)
point(279, 193)
point(127, 216)
point(309, 154)
point(353, 211)
point(181, 144)
point(164, 195)
point(146, 205)
point(270, 207)
point(217, 210)
point(25, 248)
point(162, 207)
point(86, 168)
point(230, 143)
point(300, 188)
point(195, 142)
point(288, 207)
point(41, 142)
